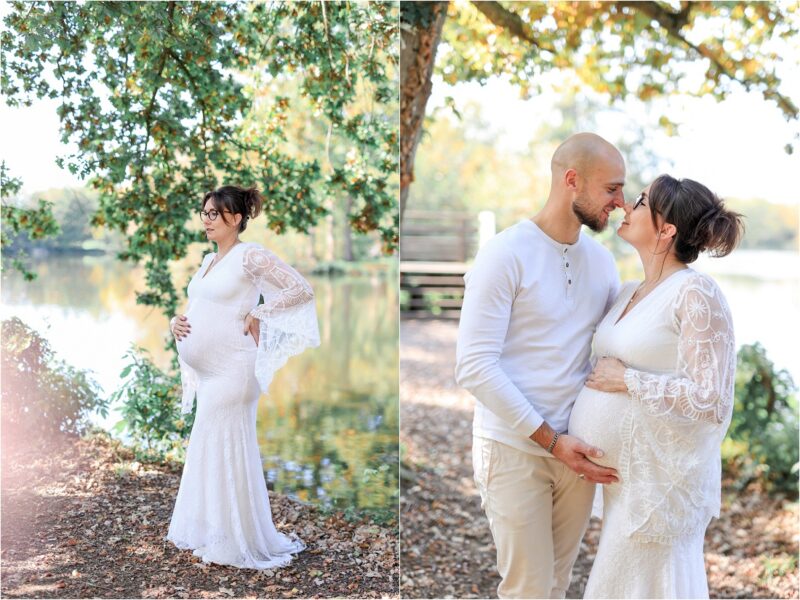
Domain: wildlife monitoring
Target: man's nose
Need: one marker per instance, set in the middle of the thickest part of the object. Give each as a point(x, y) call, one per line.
point(619, 201)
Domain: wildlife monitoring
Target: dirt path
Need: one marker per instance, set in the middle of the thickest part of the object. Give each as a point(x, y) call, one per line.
point(82, 519)
point(446, 547)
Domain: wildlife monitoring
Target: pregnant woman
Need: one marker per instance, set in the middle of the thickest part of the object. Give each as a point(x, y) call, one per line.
point(660, 397)
point(229, 348)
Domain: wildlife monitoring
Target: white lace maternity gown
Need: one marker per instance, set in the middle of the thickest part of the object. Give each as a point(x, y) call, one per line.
point(663, 436)
point(222, 510)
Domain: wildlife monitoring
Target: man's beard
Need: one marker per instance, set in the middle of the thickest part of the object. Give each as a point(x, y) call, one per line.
point(593, 222)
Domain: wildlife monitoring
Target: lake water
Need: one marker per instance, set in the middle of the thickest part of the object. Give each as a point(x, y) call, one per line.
point(328, 430)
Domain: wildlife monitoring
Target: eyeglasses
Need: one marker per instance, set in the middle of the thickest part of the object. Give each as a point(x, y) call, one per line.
point(211, 215)
point(639, 201)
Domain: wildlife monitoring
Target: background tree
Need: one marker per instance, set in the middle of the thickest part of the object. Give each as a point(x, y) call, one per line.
point(34, 223)
point(152, 94)
point(72, 209)
point(619, 48)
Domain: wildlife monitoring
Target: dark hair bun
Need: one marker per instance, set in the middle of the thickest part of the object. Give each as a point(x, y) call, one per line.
point(719, 231)
point(254, 202)
point(699, 215)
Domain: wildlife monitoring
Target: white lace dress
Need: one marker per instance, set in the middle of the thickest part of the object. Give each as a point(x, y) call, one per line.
point(663, 436)
point(222, 510)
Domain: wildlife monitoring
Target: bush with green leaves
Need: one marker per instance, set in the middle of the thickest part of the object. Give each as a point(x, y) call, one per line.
point(41, 394)
point(762, 441)
point(149, 401)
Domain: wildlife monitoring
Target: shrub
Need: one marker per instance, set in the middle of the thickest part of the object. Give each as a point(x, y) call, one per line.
point(41, 394)
point(149, 402)
point(762, 440)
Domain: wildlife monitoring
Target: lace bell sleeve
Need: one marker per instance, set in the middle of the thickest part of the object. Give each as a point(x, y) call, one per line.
point(702, 389)
point(288, 316)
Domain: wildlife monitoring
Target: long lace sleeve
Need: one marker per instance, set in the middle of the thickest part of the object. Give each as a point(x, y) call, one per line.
point(702, 389)
point(288, 316)
point(281, 286)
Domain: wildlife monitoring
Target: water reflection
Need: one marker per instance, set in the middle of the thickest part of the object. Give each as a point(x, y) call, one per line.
point(330, 422)
point(328, 428)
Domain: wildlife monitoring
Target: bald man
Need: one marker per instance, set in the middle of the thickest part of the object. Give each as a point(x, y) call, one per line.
point(532, 301)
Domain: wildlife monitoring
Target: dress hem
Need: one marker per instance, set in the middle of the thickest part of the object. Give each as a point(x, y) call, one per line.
point(202, 551)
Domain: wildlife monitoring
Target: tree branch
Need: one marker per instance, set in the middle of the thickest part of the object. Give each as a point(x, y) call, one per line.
point(674, 22)
point(511, 22)
point(158, 81)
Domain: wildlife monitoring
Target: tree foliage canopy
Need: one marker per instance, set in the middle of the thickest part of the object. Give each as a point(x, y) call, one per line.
point(647, 49)
point(624, 48)
point(154, 95)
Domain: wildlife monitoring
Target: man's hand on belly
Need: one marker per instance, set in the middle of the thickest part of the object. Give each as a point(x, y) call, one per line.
point(575, 454)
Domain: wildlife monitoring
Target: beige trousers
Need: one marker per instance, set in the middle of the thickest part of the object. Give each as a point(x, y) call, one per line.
point(538, 511)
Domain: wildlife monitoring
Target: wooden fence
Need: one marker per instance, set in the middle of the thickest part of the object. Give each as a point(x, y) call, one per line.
point(434, 250)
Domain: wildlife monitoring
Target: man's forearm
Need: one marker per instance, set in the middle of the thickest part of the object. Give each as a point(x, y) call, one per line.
point(544, 435)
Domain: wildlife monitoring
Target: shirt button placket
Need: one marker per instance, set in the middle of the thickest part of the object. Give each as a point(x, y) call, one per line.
point(567, 272)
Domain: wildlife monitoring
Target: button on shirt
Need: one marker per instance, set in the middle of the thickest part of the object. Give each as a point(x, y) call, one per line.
point(531, 305)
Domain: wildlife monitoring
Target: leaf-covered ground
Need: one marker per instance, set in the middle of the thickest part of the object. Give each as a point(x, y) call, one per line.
point(81, 518)
point(446, 547)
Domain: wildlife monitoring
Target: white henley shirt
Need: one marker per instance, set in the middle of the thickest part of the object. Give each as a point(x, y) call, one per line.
point(531, 306)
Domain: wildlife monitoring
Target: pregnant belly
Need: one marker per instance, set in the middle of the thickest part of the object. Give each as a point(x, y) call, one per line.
point(214, 338)
point(596, 419)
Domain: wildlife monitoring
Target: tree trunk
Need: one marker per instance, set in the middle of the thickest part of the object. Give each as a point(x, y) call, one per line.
point(311, 251)
point(419, 40)
point(329, 228)
point(347, 231)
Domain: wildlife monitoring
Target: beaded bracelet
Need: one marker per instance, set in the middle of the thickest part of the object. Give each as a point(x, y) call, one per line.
point(553, 443)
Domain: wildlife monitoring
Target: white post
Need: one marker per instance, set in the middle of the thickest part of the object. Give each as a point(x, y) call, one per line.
point(487, 227)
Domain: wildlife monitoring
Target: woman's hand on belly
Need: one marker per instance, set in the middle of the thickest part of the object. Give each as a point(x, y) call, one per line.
point(252, 326)
point(180, 327)
point(608, 376)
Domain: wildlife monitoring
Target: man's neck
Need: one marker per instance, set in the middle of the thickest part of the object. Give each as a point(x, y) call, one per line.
point(558, 223)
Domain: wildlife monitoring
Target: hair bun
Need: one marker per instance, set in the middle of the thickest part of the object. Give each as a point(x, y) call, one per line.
point(704, 227)
point(721, 230)
point(254, 201)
